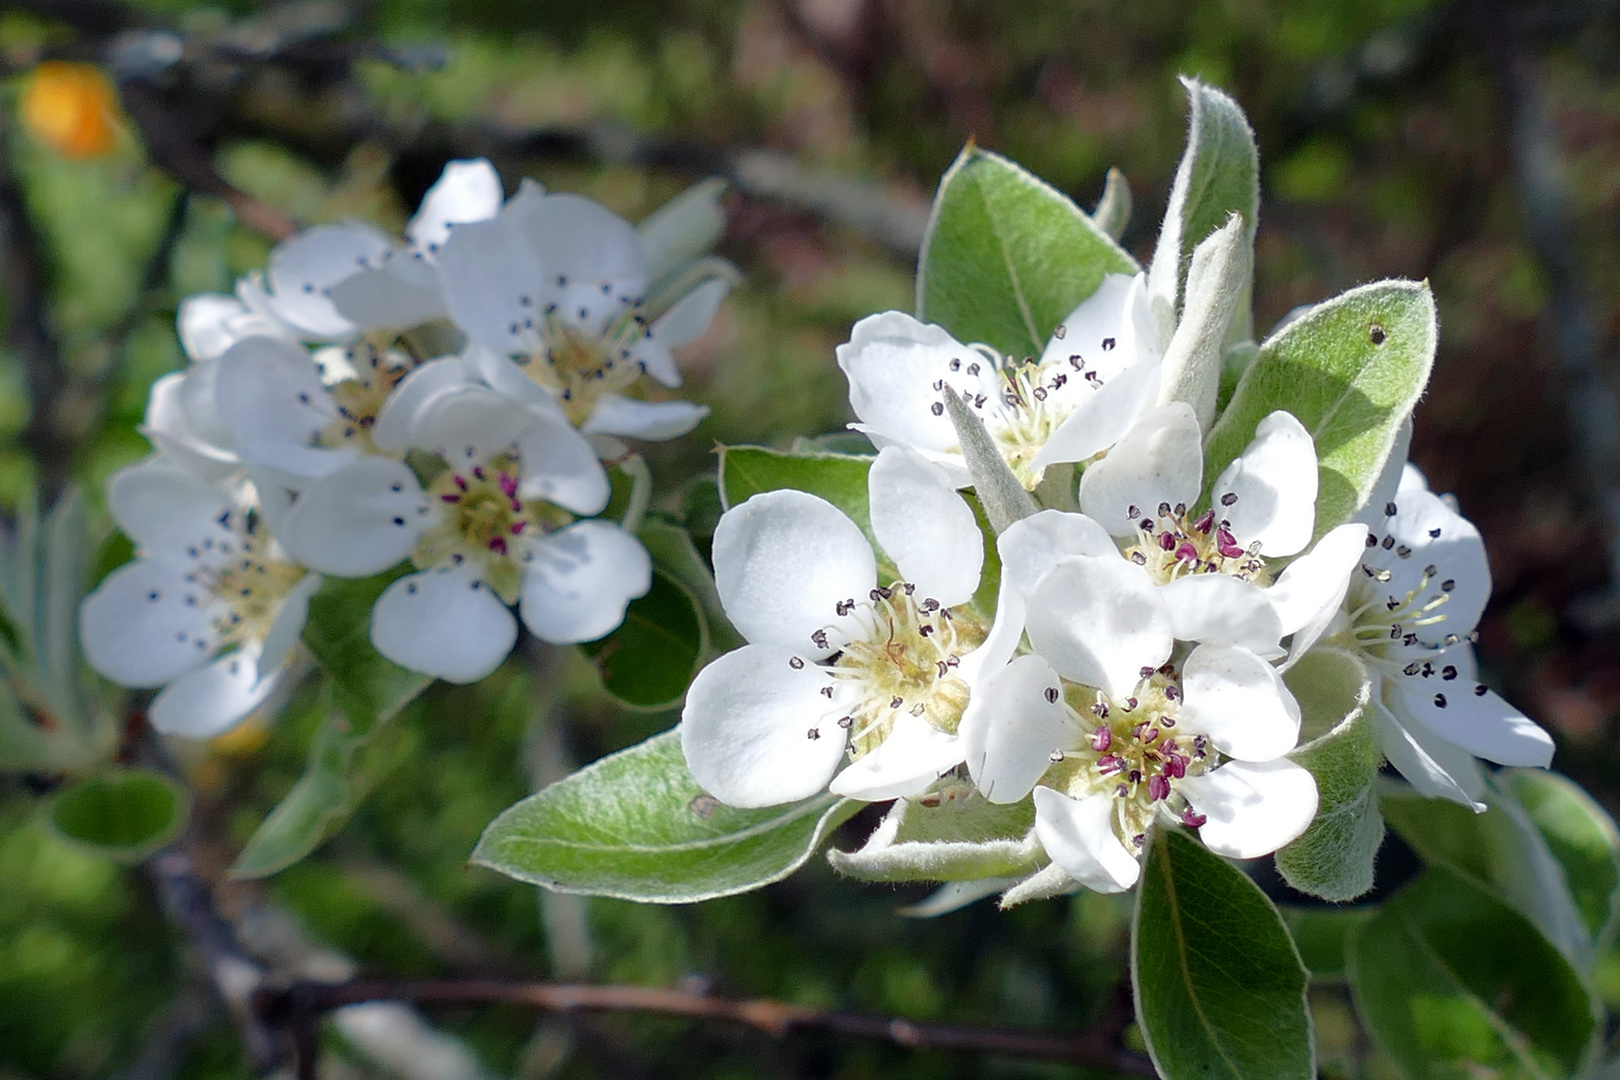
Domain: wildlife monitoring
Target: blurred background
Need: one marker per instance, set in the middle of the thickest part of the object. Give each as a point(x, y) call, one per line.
point(1475, 144)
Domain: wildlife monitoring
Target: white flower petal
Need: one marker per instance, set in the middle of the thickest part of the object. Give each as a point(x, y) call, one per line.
point(1311, 589)
point(1031, 546)
point(288, 626)
point(170, 427)
point(892, 362)
point(214, 698)
point(1240, 702)
point(1218, 609)
point(1160, 460)
point(1102, 419)
point(925, 526)
point(1433, 766)
point(166, 509)
point(783, 562)
point(579, 581)
point(560, 466)
point(1467, 713)
point(210, 323)
point(654, 421)
point(1252, 808)
point(403, 292)
point(445, 623)
point(138, 629)
point(915, 754)
point(1274, 480)
point(588, 244)
point(689, 317)
point(1432, 535)
point(509, 378)
point(303, 268)
point(272, 396)
point(1099, 621)
point(468, 425)
point(1011, 727)
point(656, 359)
point(397, 420)
point(1079, 836)
point(467, 190)
point(746, 728)
point(359, 520)
point(493, 285)
point(1109, 332)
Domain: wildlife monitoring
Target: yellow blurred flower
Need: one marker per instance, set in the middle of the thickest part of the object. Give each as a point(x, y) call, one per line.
point(73, 109)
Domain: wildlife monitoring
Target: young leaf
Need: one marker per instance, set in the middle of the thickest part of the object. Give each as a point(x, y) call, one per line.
point(838, 478)
point(1000, 493)
point(1350, 370)
point(1334, 857)
point(674, 551)
point(1113, 211)
point(1501, 850)
point(125, 814)
point(1217, 288)
point(1220, 989)
point(1581, 836)
point(650, 659)
point(342, 768)
point(636, 826)
point(959, 840)
point(684, 228)
point(1006, 257)
point(366, 685)
point(1219, 175)
point(1451, 982)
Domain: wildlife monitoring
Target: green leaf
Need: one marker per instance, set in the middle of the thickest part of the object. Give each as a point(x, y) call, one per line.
point(1000, 493)
point(839, 478)
point(342, 768)
point(1219, 175)
point(650, 659)
point(1501, 850)
point(125, 814)
point(674, 551)
point(1220, 989)
point(1581, 836)
point(366, 685)
point(636, 826)
point(1006, 257)
point(684, 228)
point(1334, 857)
point(1350, 371)
point(1217, 290)
point(1450, 982)
point(1322, 935)
point(630, 492)
point(967, 838)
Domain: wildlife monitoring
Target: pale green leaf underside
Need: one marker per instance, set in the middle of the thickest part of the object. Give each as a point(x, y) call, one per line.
point(963, 839)
point(1350, 371)
point(1220, 989)
point(1334, 857)
point(1581, 836)
point(636, 826)
point(1007, 257)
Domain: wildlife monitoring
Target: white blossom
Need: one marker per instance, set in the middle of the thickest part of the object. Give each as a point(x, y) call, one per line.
point(211, 608)
point(333, 282)
point(839, 664)
point(497, 526)
point(1097, 374)
point(551, 292)
point(1421, 585)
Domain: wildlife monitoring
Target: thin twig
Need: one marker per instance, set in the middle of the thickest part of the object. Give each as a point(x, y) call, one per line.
point(293, 1005)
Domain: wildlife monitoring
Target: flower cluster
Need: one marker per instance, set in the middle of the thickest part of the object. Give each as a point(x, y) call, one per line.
point(1130, 672)
point(443, 401)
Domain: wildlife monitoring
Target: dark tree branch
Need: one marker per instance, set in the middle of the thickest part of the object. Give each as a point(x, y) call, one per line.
point(295, 1008)
point(24, 281)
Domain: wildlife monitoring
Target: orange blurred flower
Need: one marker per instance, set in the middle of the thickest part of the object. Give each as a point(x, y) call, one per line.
point(73, 109)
